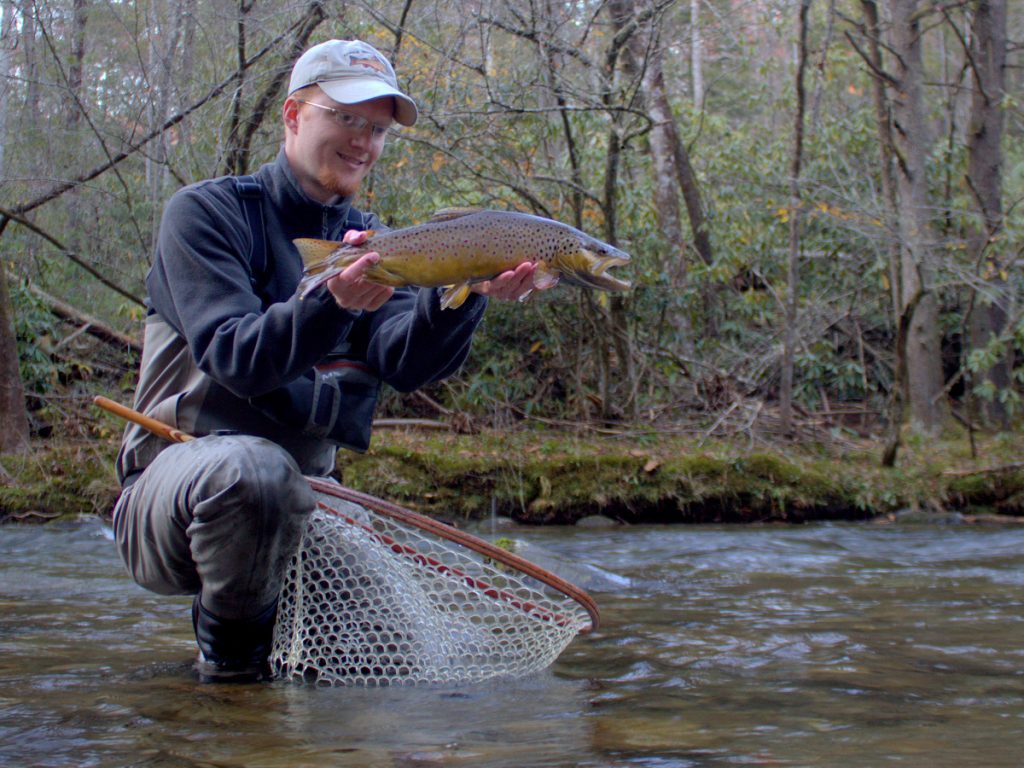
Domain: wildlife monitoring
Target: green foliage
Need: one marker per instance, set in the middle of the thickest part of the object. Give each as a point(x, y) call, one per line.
point(36, 331)
point(519, 113)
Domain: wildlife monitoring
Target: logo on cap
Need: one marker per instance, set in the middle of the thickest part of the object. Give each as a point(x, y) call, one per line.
point(370, 62)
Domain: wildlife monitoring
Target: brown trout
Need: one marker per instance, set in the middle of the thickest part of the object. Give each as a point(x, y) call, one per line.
point(459, 247)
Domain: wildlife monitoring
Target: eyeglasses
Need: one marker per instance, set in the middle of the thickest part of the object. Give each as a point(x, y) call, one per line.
point(351, 121)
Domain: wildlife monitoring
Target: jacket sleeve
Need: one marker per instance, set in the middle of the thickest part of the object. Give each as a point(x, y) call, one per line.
point(411, 341)
point(201, 283)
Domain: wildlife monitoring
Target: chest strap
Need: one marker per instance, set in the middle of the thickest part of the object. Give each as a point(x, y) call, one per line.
point(251, 194)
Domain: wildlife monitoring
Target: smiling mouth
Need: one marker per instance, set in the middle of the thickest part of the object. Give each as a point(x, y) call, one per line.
point(351, 160)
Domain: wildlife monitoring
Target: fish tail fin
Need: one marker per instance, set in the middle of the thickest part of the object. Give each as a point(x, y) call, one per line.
point(315, 253)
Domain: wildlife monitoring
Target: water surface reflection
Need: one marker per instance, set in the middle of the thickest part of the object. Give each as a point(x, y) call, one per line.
point(821, 646)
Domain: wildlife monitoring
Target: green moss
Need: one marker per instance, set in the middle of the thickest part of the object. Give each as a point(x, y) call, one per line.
point(58, 480)
point(560, 479)
point(553, 477)
point(543, 477)
point(1001, 490)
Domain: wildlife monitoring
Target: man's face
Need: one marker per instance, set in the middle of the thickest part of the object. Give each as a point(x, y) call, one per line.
point(329, 157)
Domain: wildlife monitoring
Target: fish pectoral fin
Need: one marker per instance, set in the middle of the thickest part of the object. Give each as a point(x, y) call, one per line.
point(310, 283)
point(544, 277)
point(315, 253)
point(447, 214)
point(454, 296)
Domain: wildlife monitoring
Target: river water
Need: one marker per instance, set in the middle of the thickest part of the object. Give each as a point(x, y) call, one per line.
point(821, 645)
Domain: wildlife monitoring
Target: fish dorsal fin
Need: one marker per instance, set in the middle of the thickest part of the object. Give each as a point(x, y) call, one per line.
point(447, 214)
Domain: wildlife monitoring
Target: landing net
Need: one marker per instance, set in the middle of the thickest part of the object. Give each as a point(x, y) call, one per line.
point(377, 595)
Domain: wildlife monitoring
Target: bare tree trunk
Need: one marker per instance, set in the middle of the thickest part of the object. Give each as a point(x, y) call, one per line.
point(554, 61)
point(8, 42)
point(795, 218)
point(928, 408)
point(897, 407)
point(235, 160)
point(883, 122)
point(666, 184)
point(76, 64)
point(74, 104)
point(171, 37)
point(984, 177)
point(673, 171)
point(31, 64)
point(642, 60)
point(618, 323)
point(14, 432)
point(696, 55)
point(662, 140)
point(890, 206)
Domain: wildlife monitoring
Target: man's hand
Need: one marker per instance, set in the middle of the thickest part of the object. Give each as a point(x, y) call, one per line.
point(512, 285)
point(350, 289)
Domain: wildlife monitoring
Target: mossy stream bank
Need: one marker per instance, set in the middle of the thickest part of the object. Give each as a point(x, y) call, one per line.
point(553, 477)
point(556, 477)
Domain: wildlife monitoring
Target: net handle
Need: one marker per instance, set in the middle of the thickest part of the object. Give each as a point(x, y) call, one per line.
point(395, 512)
point(463, 539)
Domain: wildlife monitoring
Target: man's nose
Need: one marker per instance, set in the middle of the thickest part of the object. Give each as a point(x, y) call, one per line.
point(361, 139)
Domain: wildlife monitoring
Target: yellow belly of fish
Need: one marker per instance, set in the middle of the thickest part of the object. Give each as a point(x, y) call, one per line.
point(455, 266)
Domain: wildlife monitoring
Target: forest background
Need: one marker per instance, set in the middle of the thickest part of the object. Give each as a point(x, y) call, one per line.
point(822, 198)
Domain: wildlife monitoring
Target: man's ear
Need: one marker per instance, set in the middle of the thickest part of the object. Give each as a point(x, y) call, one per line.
point(290, 114)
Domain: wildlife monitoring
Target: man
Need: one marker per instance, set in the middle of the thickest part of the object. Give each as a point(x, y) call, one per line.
point(271, 385)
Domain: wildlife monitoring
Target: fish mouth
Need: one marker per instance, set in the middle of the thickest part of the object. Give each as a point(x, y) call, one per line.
point(607, 258)
point(596, 274)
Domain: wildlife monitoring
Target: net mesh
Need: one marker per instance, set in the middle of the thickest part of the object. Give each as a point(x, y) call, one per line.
point(372, 601)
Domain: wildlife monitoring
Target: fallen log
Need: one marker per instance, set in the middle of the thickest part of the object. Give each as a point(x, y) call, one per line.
point(87, 324)
point(984, 470)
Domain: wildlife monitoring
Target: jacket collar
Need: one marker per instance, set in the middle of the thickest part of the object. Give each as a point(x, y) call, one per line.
point(303, 214)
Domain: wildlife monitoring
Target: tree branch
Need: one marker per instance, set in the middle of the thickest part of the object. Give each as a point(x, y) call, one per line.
point(6, 216)
point(59, 189)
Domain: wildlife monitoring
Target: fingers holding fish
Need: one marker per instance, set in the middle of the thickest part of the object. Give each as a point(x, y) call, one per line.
point(516, 284)
point(351, 289)
point(356, 237)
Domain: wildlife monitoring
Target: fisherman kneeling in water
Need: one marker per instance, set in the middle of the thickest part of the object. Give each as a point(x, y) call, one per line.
point(271, 385)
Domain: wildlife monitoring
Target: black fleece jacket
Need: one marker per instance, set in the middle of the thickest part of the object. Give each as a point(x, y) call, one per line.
point(255, 339)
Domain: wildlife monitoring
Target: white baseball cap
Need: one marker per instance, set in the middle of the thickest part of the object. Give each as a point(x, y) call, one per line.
point(351, 72)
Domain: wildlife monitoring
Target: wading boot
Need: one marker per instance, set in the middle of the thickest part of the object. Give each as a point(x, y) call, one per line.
point(233, 650)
